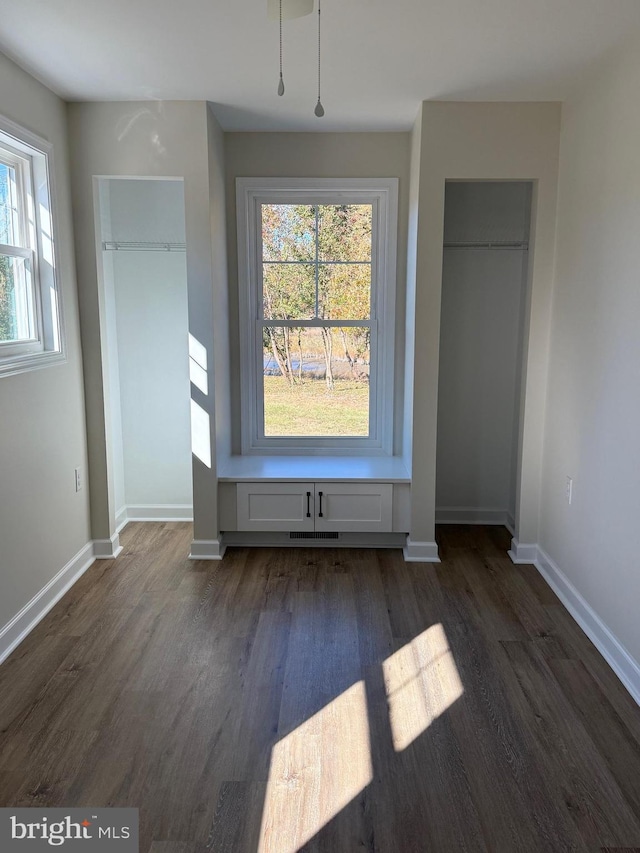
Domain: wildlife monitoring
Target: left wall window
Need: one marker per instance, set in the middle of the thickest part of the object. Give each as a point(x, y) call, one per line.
point(30, 322)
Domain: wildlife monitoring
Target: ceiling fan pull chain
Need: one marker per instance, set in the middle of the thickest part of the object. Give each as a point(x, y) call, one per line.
point(281, 82)
point(319, 110)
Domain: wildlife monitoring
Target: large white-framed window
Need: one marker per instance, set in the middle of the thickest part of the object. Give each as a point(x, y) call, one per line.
point(30, 316)
point(316, 273)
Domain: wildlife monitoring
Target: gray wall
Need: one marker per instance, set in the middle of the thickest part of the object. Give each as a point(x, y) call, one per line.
point(220, 281)
point(145, 211)
point(413, 229)
point(318, 155)
point(479, 363)
point(43, 521)
point(593, 407)
point(147, 139)
point(112, 378)
point(152, 331)
point(483, 141)
point(480, 347)
point(147, 329)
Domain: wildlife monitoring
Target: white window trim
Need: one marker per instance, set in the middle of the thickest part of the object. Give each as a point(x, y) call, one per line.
point(382, 193)
point(47, 347)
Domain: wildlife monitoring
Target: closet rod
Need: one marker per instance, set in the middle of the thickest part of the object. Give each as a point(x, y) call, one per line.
point(492, 245)
point(120, 246)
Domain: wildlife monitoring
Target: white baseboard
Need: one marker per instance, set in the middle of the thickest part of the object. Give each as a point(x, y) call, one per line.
point(420, 552)
point(521, 552)
point(15, 631)
point(107, 549)
point(153, 512)
point(159, 512)
point(121, 519)
point(621, 662)
point(207, 549)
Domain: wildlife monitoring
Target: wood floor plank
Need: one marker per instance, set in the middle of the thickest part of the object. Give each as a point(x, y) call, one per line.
point(170, 847)
point(498, 611)
point(82, 692)
point(285, 568)
point(237, 820)
point(375, 640)
point(425, 765)
point(582, 648)
point(263, 683)
point(613, 740)
point(323, 700)
point(592, 795)
point(518, 808)
point(403, 612)
point(323, 659)
point(526, 605)
point(537, 583)
point(51, 761)
point(25, 676)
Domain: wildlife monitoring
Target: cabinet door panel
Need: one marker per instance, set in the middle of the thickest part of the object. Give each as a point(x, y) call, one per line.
point(354, 507)
point(275, 506)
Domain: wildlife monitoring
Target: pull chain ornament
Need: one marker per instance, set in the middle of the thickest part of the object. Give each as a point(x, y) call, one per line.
point(281, 82)
point(319, 110)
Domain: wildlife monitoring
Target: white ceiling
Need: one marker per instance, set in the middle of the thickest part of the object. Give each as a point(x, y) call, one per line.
point(380, 57)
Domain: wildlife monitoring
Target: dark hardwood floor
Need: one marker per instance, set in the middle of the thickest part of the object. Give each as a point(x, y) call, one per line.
point(323, 700)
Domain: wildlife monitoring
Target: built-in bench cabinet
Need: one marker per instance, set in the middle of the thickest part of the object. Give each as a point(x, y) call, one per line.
point(271, 500)
point(315, 507)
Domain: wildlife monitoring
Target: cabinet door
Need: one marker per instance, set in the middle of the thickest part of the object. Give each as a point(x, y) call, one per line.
point(275, 506)
point(354, 507)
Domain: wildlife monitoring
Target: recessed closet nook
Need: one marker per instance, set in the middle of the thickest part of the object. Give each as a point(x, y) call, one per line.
point(198, 240)
point(142, 244)
point(484, 276)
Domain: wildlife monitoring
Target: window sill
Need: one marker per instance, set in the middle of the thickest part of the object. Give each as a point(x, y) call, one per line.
point(34, 361)
point(380, 469)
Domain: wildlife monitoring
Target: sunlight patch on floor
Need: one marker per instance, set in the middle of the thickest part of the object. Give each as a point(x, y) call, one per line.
point(421, 681)
point(315, 771)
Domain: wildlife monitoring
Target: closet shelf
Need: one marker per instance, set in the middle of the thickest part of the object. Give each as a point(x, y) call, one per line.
point(124, 246)
point(495, 244)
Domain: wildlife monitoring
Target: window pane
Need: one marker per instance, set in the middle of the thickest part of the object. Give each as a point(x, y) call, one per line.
point(16, 300)
point(288, 291)
point(316, 382)
point(8, 212)
point(344, 232)
point(288, 232)
point(344, 291)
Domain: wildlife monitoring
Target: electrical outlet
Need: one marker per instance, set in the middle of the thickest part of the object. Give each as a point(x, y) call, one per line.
point(79, 479)
point(569, 490)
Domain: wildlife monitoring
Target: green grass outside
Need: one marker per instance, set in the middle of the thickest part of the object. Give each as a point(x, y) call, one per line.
point(311, 409)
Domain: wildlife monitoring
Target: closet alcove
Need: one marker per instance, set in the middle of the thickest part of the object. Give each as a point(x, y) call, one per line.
point(484, 278)
point(142, 225)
